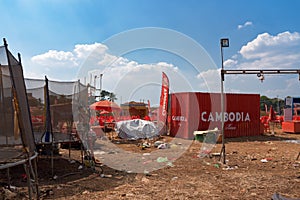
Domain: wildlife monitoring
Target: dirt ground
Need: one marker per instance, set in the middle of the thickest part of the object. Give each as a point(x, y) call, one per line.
point(256, 168)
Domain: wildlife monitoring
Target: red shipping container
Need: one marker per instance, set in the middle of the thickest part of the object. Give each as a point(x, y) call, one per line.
point(202, 111)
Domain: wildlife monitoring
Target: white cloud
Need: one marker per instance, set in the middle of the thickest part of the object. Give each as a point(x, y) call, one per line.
point(83, 50)
point(266, 45)
point(230, 63)
point(248, 23)
point(133, 81)
point(129, 79)
point(55, 58)
point(210, 80)
point(107, 60)
point(67, 59)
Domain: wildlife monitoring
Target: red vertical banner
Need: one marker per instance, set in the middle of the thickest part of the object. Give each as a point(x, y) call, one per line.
point(163, 106)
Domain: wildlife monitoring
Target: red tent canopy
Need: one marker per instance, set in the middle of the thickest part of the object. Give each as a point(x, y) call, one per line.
point(105, 105)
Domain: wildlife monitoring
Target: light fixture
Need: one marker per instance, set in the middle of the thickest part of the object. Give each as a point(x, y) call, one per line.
point(261, 77)
point(224, 42)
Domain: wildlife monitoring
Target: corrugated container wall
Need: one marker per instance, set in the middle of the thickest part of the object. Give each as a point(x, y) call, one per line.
point(202, 111)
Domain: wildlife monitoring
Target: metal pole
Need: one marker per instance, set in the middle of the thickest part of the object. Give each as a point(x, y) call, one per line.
point(223, 154)
point(95, 79)
point(95, 92)
point(278, 110)
point(100, 85)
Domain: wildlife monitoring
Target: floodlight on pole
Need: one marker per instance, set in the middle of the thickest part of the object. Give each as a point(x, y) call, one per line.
point(224, 42)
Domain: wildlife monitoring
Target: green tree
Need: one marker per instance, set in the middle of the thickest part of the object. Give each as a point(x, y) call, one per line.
point(276, 103)
point(106, 95)
point(112, 97)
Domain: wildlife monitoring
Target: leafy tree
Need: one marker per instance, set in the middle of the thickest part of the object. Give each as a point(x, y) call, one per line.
point(274, 102)
point(112, 97)
point(106, 95)
point(264, 100)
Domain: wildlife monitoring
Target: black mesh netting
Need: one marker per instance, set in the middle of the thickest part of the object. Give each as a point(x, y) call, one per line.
point(62, 108)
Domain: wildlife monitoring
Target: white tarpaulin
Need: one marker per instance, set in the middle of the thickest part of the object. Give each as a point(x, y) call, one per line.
point(136, 129)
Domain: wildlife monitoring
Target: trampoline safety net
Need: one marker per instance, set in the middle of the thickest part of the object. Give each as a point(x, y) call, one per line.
point(55, 108)
point(15, 122)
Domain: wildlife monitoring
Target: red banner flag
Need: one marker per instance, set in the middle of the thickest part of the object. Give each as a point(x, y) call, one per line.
point(163, 106)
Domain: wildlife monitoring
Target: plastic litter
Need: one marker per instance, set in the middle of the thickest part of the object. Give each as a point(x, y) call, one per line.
point(146, 145)
point(147, 173)
point(163, 146)
point(105, 175)
point(72, 161)
point(216, 165)
point(162, 159)
point(264, 160)
point(170, 164)
point(157, 143)
point(230, 168)
point(277, 196)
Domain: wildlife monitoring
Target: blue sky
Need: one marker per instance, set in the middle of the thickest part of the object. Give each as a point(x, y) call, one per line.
point(55, 38)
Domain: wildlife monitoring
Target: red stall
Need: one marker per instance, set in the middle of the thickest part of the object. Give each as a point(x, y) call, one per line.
point(198, 111)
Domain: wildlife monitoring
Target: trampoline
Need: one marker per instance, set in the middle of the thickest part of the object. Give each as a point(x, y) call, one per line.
point(17, 145)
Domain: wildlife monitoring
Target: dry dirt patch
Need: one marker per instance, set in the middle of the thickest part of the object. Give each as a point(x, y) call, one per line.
point(256, 168)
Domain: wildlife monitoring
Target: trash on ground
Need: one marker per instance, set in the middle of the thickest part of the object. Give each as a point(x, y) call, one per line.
point(163, 146)
point(162, 159)
point(105, 175)
point(263, 160)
